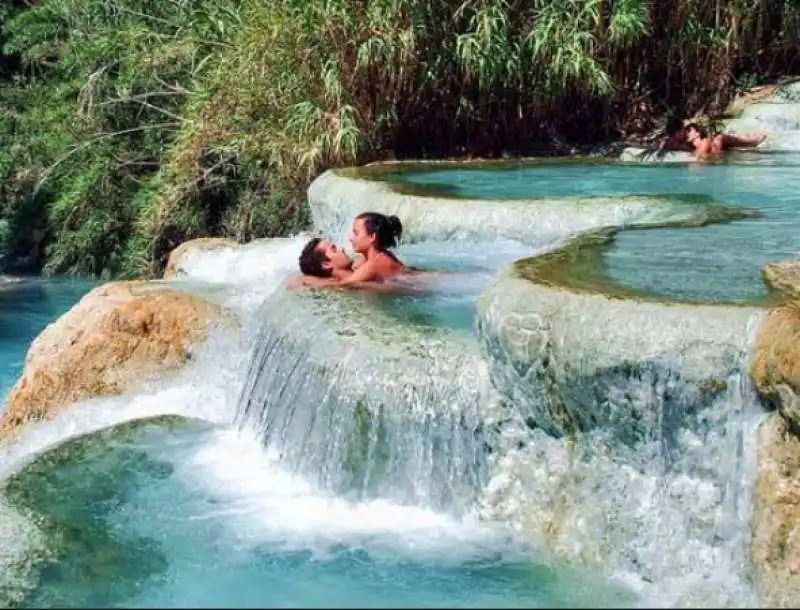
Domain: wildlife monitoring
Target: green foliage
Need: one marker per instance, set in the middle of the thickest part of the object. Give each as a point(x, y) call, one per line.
point(131, 125)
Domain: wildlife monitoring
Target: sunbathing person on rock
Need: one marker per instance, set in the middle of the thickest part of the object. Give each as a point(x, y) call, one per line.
point(695, 138)
point(322, 263)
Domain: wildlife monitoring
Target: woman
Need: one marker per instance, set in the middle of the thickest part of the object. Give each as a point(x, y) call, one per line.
point(372, 236)
point(705, 145)
point(696, 138)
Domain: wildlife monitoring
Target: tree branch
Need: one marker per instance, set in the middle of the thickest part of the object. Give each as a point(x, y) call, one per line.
point(91, 141)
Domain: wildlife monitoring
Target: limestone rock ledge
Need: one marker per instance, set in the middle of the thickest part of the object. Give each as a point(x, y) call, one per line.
point(179, 255)
point(750, 97)
point(775, 525)
point(783, 277)
point(775, 367)
point(119, 335)
point(775, 521)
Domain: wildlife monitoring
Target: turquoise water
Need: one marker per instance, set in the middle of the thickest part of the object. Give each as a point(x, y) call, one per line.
point(453, 275)
point(456, 311)
point(159, 517)
point(26, 307)
point(718, 262)
point(176, 513)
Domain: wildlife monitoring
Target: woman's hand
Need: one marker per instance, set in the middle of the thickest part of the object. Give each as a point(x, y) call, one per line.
point(364, 273)
point(311, 281)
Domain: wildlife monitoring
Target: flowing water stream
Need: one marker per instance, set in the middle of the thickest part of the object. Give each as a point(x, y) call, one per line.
point(487, 442)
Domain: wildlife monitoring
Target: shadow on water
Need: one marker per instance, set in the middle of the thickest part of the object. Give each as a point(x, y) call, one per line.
point(71, 494)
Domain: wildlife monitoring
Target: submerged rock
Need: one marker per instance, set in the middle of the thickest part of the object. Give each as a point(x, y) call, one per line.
point(8, 279)
point(95, 560)
point(180, 254)
point(633, 154)
point(783, 277)
point(117, 336)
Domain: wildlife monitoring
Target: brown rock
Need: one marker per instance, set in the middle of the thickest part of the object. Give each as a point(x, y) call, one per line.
point(117, 336)
point(775, 522)
point(775, 367)
point(203, 243)
point(750, 97)
point(783, 277)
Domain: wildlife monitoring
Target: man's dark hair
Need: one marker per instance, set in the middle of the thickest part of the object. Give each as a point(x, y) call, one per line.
point(698, 128)
point(312, 261)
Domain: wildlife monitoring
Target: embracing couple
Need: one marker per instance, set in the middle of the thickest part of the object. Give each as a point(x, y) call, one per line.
point(323, 263)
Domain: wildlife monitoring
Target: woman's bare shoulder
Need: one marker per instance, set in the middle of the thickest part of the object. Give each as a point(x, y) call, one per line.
point(390, 264)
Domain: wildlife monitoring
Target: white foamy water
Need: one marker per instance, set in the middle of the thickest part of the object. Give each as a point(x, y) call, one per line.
point(771, 116)
point(263, 503)
point(207, 389)
point(335, 200)
point(778, 117)
point(241, 277)
point(20, 539)
point(657, 485)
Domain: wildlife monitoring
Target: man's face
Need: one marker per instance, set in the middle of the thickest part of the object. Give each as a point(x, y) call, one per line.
point(692, 135)
point(336, 257)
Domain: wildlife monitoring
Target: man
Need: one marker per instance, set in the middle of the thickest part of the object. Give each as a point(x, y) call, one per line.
point(322, 263)
point(705, 146)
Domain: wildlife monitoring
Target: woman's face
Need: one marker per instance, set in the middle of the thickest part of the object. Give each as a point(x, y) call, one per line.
point(359, 239)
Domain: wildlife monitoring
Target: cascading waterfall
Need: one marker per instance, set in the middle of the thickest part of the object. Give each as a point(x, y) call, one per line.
point(338, 430)
point(641, 464)
point(366, 407)
point(536, 223)
point(644, 467)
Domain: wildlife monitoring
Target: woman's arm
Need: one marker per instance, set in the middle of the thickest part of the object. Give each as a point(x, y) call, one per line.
point(366, 272)
point(307, 280)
